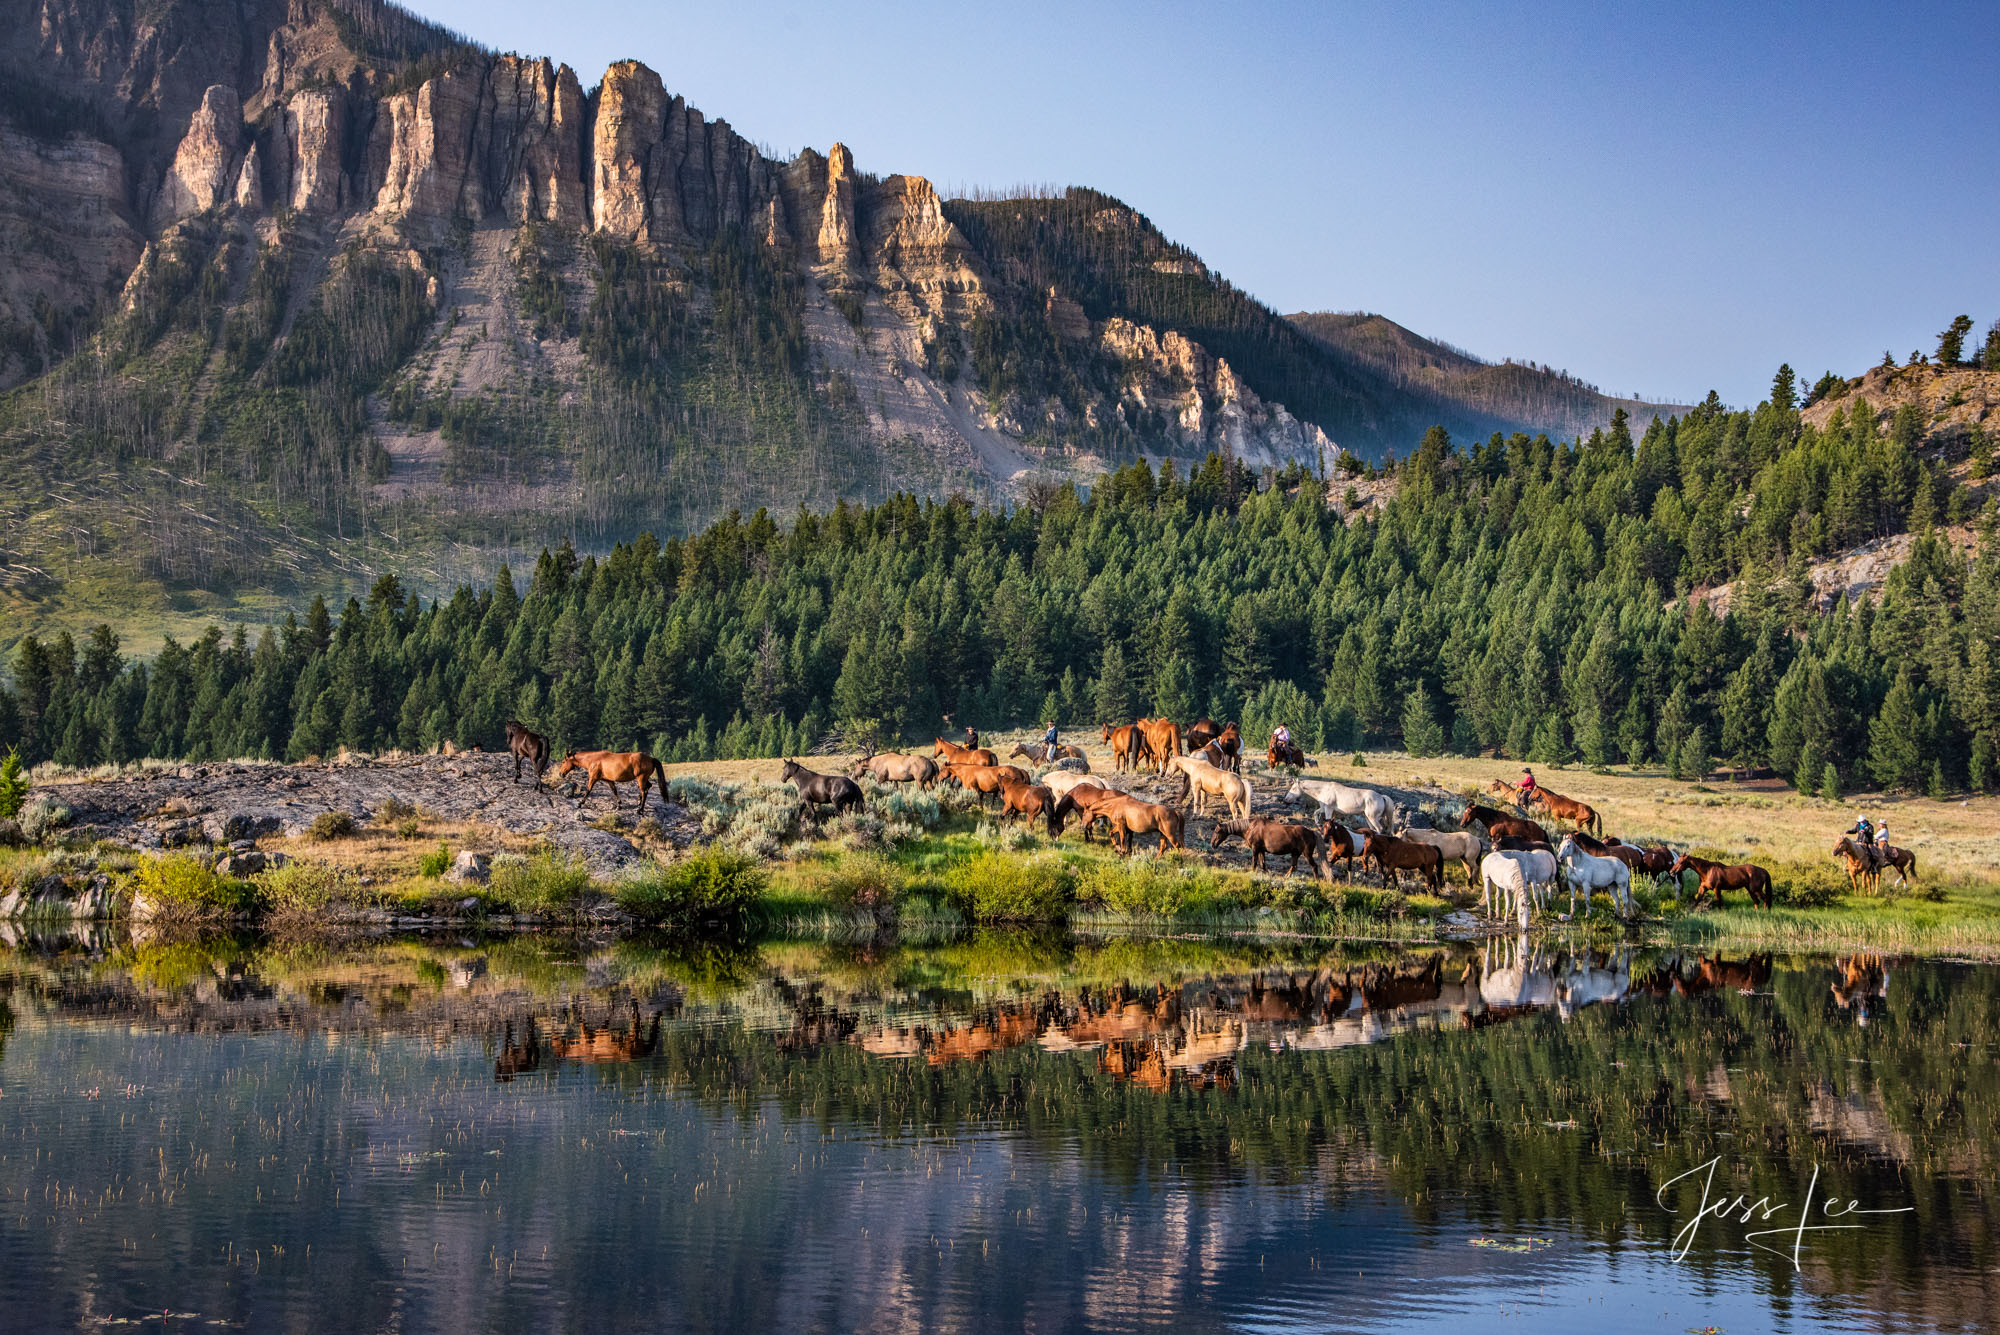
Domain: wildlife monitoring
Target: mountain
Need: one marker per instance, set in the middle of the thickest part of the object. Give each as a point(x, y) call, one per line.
point(1435, 382)
point(300, 290)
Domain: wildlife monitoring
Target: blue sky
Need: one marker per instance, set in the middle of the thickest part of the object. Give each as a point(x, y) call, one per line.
point(1666, 198)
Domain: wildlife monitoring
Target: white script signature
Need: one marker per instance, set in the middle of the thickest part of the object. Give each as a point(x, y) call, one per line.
point(1763, 1210)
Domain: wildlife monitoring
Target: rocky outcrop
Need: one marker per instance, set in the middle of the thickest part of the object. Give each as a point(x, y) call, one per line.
point(630, 105)
point(1170, 376)
point(314, 123)
point(535, 148)
point(202, 174)
point(922, 264)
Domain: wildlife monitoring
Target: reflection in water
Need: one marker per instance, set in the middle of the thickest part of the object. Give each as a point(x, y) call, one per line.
point(988, 1134)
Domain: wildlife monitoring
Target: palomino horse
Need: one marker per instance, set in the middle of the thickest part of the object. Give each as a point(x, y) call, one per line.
point(1562, 809)
point(1205, 781)
point(896, 768)
point(1499, 824)
point(1864, 862)
point(815, 789)
point(1129, 816)
point(1463, 846)
point(1264, 837)
point(1712, 878)
point(612, 768)
point(529, 746)
point(954, 754)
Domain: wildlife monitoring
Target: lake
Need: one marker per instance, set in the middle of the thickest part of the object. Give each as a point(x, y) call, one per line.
point(990, 1132)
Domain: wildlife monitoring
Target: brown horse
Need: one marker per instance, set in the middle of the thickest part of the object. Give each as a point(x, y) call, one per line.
point(1122, 741)
point(1864, 862)
point(1285, 753)
point(1029, 800)
point(816, 789)
point(1561, 809)
point(954, 754)
point(1083, 799)
point(1501, 825)
point(896, 768)
point(529, 746)
point(1202, 731)
point(1262, 837)
point(1340, 843)
point(1230, 739)
point(1395, 856)
point(982, 779)
point(1129, 816)
point(1712, 878)
point(1160, 740)
point(612, 768)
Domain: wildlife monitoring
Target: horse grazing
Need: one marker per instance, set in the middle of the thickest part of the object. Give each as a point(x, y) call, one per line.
point(1129, 816)
point(1124, 745)
point(1562, 808)
point(1341, 843)
point(1029, 800)
point(1499, 824)
point(896, 768)
point(1160, 740)
point(1263, 837)
point(1463, 846)
point(1371, 808)
point(1083, 798)
point(815, 789)
point(1205, 780)
point(529, 746)
point(1395, 856)
point(1864, 862)
point(1060, 781)
point(954, 754)
point(1513, 843)
point(1590, 873)
point(612, 768)
point(1712, 878)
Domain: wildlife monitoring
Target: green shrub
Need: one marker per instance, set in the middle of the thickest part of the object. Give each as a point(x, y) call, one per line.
point(298, 887)
point(13, 784)
point(409, 827)
point(1807, 886)
point(546, 883)
point(713, 884)
point(330, 825)
point(992, 887)
point(436, 862)
point(183, 885)
point(41, 818)
point(395, 809)
point(1138, 889)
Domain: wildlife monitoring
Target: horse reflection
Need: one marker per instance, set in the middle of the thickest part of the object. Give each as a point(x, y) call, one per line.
point(1863, 987)
point(518, 1057)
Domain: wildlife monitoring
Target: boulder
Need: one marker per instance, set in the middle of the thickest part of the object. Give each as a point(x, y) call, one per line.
point(229, 827)
point(181, 833)
point(240, 865)
point(469, 866)
point(1071, 765)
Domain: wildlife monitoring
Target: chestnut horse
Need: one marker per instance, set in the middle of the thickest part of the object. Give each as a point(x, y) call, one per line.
point(954, 754)
point(1202, 731)
point(982, 779)
point(1499, 824)
point(1864, 862)
point(1230, 739)
point(612, 768)
point(1341, 843)
point(1123, 741)
point(529, 746)
point(1285, 753)
point(1562, 809)
point(1083, 799)
point(1712, 878)
point(1263, 837)
point(1129, 816)
point(1395, 856)
point(1029, 800)
point(1160, 740)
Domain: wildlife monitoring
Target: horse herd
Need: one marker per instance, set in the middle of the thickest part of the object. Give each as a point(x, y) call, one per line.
point(1507, 853)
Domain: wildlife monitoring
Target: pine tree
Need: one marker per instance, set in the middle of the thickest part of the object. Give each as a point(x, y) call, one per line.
point(1896, 742)
point(1985, 775)
point(1112, 694)
point(1173, 690)
point(1951, 343)
point(13, 784)
point(1423, 735)
point(1695, 760)
point(1829, 782)
point(1674, 726)
point(1937, 789)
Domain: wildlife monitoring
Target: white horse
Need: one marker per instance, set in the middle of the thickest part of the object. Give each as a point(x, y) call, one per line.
point(1585, 984)
point(1522, 877)
point(1061, 781)
point(1338, 800)
point(1590, 873)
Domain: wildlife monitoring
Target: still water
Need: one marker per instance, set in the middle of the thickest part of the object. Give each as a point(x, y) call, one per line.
point(990, 1133)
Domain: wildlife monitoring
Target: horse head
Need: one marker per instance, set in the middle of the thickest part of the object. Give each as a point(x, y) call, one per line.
point(569, 765)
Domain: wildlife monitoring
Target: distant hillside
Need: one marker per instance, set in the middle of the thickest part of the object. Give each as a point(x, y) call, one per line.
point(1432, 381)
point(294, 292)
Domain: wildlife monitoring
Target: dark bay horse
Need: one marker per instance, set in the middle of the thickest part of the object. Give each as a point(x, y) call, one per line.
point(1499, 824)
point(529, 746)
point(815, 789)
point(1712, 878)
point(1264, 837)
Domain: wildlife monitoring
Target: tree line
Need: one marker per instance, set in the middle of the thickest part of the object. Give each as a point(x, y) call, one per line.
point(1548, 601)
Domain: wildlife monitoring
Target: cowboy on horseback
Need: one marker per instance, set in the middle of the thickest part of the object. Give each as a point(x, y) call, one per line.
point(1866, 836)
point(1527, 787)
point(1049, 743)
point(1281, 736)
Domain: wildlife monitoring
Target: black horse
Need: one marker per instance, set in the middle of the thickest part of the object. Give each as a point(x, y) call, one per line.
point(835, 790)
point(529, 746)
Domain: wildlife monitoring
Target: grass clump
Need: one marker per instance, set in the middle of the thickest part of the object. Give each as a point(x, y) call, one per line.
point(991, 887)
point(181, 885)
point(330, 825)
point(545, 883)
point(436, 862)
point(712, 885)
point(298, 887)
